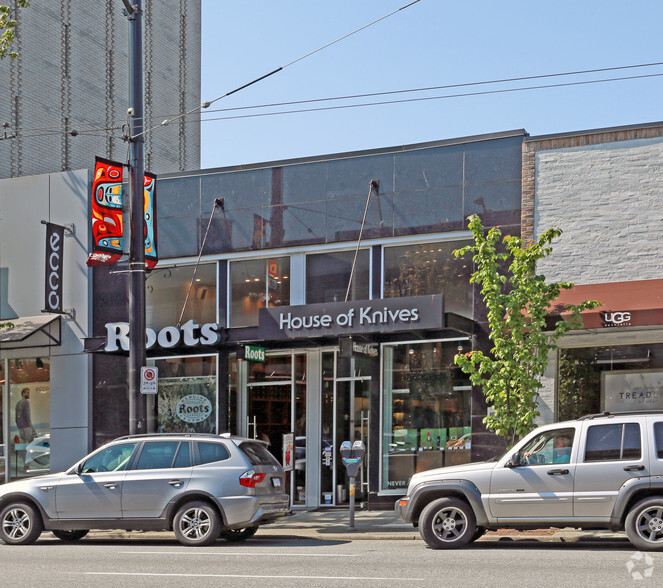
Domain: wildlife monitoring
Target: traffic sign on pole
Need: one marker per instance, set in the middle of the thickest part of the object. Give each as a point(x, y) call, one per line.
point(149, 380)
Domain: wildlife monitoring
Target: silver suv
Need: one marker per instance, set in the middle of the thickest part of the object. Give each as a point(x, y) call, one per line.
point(201, 486)
point(601, 471)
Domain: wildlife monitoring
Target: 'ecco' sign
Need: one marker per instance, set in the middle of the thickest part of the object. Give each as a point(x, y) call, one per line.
point(190, 334)
point(54, 251)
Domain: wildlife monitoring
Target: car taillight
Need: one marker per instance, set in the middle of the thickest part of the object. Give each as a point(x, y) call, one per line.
point(250, 479)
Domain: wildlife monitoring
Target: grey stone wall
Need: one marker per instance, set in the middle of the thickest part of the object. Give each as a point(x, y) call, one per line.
point(608, 200)
point(72, 75)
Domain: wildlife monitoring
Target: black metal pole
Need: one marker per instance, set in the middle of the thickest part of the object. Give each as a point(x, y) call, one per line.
point(137, 404)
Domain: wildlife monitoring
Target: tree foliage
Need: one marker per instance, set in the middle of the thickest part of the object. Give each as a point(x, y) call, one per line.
point(8, 27)
point(517, 300)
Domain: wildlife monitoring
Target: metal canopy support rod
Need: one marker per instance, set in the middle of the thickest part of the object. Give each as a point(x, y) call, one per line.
point(137, 403)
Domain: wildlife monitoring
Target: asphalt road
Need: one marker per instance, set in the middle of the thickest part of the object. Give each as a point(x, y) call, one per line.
point(275, 562)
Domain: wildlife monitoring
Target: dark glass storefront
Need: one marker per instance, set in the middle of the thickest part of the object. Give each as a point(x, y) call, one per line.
point(407, 401)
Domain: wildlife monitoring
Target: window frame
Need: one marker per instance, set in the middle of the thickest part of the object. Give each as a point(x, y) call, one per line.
point(621, 457)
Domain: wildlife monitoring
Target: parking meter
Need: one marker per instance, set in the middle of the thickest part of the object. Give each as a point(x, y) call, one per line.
point(352, 456)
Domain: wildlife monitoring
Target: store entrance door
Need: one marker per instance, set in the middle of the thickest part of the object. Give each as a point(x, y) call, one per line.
point(345, 404)
point(276, 405)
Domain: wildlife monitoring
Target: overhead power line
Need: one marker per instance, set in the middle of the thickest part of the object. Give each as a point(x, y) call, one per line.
point(104, 126)
point(277, 70)
point(429, 98)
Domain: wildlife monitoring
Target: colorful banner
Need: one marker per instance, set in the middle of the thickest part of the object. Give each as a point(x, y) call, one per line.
point(106, 213)
point(150, 195)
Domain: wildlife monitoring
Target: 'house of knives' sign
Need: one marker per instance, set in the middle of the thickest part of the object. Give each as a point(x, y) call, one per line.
point(390, 315)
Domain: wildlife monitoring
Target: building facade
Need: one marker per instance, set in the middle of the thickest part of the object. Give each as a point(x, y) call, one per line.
point(65, 98)
point(338, 272)
point(604, 189)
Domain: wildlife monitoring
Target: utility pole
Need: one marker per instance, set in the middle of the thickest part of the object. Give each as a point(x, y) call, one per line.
point(137, 404)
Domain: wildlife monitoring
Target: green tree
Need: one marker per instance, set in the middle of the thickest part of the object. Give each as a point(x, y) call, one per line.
point(517, 300)
point(8, 27)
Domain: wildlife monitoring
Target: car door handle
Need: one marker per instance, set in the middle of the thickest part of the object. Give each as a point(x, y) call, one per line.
point(176, 483)
point(557, 472)
point(111, 485)
point(634, 468)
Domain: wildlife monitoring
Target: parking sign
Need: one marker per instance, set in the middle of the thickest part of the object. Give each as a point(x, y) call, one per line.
point(149, 380)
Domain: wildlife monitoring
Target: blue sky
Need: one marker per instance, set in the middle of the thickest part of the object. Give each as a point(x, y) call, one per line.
point(431, 43)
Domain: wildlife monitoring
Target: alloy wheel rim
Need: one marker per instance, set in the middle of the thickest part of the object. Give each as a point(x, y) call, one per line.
point(16, 523)
point(450, 524)
point(649, 524)
point(195, 523)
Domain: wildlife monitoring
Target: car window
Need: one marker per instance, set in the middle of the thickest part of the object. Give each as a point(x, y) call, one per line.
point(613, 442)
point(183, 459)
point(258, 454)
point(157, 455)
point(658, 437)
point(210, 452)
point(548, 448)
point(112, 459)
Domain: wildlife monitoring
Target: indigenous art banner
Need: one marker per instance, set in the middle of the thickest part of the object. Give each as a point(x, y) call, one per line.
point(106, 215)
point(150, 194)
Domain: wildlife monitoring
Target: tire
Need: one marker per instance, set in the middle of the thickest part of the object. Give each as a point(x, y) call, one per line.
point(480, 532)
point(447, 523)
point(20, 524)
point(197, 523)
point(70, 535)
point(238, 534)
point(644, 524)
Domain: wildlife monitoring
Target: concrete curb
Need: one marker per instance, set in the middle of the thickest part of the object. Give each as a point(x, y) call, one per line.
point(319, 534)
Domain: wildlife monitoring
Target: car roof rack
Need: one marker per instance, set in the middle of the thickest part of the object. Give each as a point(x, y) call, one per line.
point(143, 435)
point(607, 414)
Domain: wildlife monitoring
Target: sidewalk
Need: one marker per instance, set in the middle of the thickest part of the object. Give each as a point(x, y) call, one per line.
point(333, 524)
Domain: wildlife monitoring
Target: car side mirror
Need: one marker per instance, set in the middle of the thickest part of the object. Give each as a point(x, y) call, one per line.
point(79, 469)
point(514, 461)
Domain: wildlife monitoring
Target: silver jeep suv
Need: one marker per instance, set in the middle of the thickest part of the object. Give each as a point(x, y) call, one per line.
point(601, 471)
point(200, 486)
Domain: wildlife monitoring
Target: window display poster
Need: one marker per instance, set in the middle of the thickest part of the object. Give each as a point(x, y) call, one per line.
point(405, 440)
point(187, 405)
point(432, 439)
point(628, 391)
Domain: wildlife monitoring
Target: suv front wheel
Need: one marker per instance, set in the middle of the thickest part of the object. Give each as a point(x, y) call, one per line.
point(447, 523)
point(197, 523)
point(20, 524)
point(644, 524)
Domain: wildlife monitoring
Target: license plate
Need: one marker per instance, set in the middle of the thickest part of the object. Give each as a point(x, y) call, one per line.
point(276, 482)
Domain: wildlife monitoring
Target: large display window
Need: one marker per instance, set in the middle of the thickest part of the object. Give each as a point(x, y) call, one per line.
point(186, 401)
point(426, 411)
point(256, 284)
point(615, 378)
point(328, 276)
point(429, 268)
point(175, 295)
point(29, 423)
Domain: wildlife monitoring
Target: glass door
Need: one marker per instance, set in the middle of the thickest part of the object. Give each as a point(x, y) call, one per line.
point(344, 412)
point(276, 405)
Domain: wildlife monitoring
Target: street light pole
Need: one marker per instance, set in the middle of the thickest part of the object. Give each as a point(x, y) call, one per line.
point(137, 404)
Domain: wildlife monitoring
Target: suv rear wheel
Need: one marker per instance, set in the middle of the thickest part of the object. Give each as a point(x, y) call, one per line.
point(20, 524)
point(197, 523)
point(644, 524)
point(69, 535)
point(447, 523)
point(238, 534)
